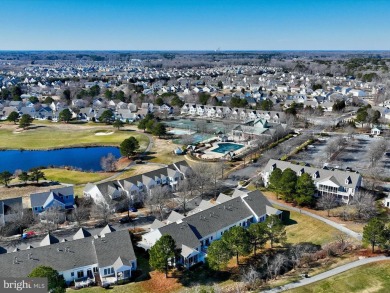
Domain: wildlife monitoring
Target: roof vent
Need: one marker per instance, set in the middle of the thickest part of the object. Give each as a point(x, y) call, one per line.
point(16, 260)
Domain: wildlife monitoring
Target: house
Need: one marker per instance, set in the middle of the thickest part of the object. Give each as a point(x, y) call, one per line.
point(194, 234)
point(125, 115)
point(10, 209)
point(386, 201)
point(4, 113)
point(60, 198)
point(342, 184)
point(105, 258)
point(86, 114)
point(139, 186)
point(376, 130)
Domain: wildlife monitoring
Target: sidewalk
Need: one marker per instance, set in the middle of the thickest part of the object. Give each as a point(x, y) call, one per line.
point(327, 274)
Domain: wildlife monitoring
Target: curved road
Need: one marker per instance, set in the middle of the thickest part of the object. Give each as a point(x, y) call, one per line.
point(327, 274)
point(338, 226)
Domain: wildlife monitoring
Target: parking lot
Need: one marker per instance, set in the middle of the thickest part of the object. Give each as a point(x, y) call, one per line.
point(354, 155)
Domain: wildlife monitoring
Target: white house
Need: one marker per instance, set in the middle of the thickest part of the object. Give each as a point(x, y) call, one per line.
point(106, 258)
point(194, 233)
point(342, 184)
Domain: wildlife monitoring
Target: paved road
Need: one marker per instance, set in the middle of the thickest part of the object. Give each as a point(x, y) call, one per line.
point(339, 227)
point(327, 274)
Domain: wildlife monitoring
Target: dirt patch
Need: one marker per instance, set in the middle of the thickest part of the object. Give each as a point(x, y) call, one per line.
point(159, 284)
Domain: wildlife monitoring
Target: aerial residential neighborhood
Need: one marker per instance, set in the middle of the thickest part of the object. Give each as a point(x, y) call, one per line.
point(192, 147)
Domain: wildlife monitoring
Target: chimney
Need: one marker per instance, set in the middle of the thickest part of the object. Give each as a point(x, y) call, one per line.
point(29, 256)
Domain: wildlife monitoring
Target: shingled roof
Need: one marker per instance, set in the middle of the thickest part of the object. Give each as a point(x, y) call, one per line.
point(69, 255)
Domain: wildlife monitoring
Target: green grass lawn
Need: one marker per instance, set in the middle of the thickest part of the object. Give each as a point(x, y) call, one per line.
point(302, 228)
point(74, 177)
point(45, 137)
point(374, 277)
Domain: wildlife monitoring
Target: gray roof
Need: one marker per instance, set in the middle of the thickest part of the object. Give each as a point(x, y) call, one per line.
point(81, 233)
point(218, 217)
point(69, 255)
point(257, 202)
point(189, 230)
point(181, 233)
point(11, 205)
point(48, 240)
point(107, 229)
point(175, 216)
point(39, 199)
point(156, 224)
point(339, 177)
point(114, 245)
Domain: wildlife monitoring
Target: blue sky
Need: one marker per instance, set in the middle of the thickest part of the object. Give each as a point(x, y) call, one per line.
point(195, 25)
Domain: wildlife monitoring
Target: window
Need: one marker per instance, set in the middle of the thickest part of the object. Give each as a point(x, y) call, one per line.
point(80, 274)
point(72, 274)
point(95, 269)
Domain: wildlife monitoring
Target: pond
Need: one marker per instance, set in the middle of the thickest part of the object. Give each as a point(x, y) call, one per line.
point(86, 159)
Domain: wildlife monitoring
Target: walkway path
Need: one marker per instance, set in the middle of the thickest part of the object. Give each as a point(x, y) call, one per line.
point(132, 163)
point(338, 226)
point(327, 274)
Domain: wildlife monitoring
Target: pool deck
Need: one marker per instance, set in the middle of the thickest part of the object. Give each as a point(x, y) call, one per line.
point(209, 154)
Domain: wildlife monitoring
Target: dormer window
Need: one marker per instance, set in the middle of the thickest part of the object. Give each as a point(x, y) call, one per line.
point(300, 173)
point(273, 167)
point(316, 175)
point(348, 180)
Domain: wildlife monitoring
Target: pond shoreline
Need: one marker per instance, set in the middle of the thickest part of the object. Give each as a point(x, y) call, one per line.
point(60, 148)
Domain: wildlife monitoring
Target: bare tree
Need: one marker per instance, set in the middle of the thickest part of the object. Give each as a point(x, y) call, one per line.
point(51, 218)
point(82, 211)
point(377, 149)
point(331, 148)
point(158, 199)
point(364, 205)
point(327, 201)
point(251, 278)
point(277, 264)
point(102, 212)
point(186, 190)
point(351, 131)
point(108, 163)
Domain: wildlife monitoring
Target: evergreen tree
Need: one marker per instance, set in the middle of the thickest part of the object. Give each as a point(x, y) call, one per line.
point(161, 253)
point(25, 121)
point(218, 255)
point(237, 240)
point(56, 283)
point(129, 146)
point(13, 117)
point(275, 230)
point(288, 183)
point(305, 190)
point(374, 233)
point(274, 181)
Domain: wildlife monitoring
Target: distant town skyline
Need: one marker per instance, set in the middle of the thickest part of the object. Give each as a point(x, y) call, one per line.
point(194, 25)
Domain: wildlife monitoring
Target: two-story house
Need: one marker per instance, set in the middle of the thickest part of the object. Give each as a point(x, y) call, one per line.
point(194, 233)
point(59, 198)
point(105, 258)
point(342, 184)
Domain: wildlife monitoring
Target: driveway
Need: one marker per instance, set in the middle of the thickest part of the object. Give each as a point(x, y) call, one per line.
point(327, 274)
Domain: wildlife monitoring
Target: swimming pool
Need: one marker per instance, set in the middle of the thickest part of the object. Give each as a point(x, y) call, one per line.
point(227, 147)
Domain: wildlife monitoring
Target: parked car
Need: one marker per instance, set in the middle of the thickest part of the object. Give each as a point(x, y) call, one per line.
point(28, 234)
point(125, 220)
